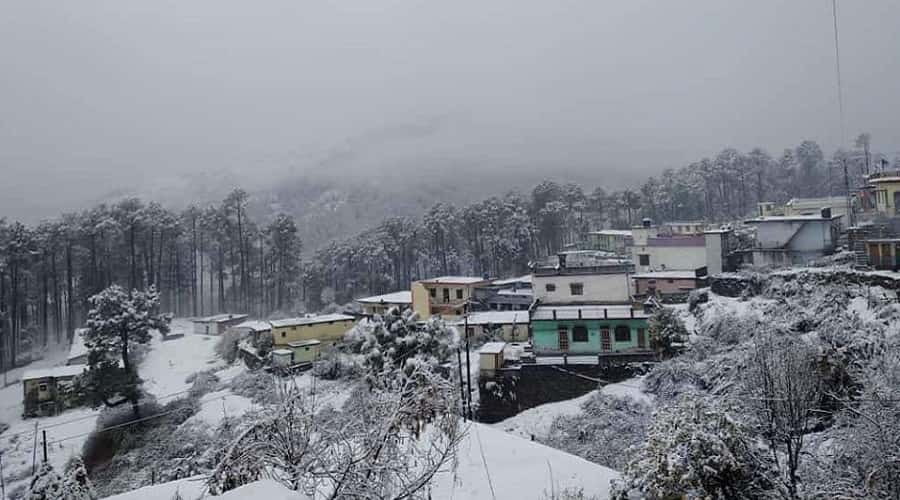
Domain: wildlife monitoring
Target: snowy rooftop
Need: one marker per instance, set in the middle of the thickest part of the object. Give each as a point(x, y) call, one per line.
point(311, 320)
point(78, 349)
point(454, 280)
point(219, 318)
point(401, 297)
point(791, 218)
point(492, 348)
point(56, 371)
point(511, 281)
point(304, 343)
point(667, 275)
point(613, 232)
point(517, 291)
point(587, 312)
point(497, 318)
point(255, 326)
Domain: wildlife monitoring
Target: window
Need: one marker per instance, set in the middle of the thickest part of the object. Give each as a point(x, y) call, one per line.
point(670, 281)
point(470, 332)
point(432, 292)
point(623, 334)
point(576, 288)
point(446, 294)
point(283, 334)
point(42, 387)
point(459, 293)
point(644, 259)
point(550, 287)
point(579, 333)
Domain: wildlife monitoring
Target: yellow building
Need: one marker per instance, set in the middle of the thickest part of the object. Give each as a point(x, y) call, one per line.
point(887, 192)
point(326, 328)
point(445, 296)
point(379, 304)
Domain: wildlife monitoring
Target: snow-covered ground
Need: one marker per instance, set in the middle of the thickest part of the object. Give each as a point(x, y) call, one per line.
point(491, 464)
point(168, 363)
point(538, 420)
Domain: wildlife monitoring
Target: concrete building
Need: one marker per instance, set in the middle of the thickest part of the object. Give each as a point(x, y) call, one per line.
point(301, 352)
point(379, 304)
point(886, 187)
point(509, 294)
point(653, 251)
point(595, 329)
point(792, 240)
point(582, 278)
point(217, 324)
point(445, 296)
point(683, 228)
point(326, 328)
point(490, 356)
point(668, 286)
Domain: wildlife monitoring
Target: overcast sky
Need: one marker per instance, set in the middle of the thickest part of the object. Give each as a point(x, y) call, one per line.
point(96, 96)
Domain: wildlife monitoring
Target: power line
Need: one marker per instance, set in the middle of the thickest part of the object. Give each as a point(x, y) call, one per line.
point(837, 60)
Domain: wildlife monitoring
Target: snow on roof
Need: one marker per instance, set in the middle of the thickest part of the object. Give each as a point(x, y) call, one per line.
point(304, 343)
point(78, 348)
point(492, 348)
point(496, 318)
point(511, 281)
point(55, 371)
point(517, 291)
point(603, 311)
point(454, 280)
point(791, 218)
point(311, 320)
point(401, 297)
point(255, 326)
point(282, 352)
point(220, 318)
point(613, 232)
point(667, 274)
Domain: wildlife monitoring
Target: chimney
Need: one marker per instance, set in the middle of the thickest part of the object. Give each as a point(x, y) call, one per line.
point(826, 213)
point(647, 222)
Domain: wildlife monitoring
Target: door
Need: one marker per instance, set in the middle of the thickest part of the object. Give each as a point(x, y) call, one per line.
point(563, 334)
point(605, 343)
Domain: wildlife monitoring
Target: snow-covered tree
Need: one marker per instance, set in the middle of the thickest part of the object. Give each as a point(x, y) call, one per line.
point(695, 449)
point(665, 329)
point(117, 322)
point(77, 484)
point(46, 484)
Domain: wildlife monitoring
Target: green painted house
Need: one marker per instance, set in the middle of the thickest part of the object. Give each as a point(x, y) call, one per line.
point(588, 329)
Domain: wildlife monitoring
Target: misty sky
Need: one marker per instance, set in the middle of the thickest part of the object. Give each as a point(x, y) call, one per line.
point(96, 96)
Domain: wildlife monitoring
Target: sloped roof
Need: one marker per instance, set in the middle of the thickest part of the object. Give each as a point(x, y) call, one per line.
point(219, 318)
point(311, 320)
point(454, 280)
point(401, 297)
point(255, 325)
point(54, 371)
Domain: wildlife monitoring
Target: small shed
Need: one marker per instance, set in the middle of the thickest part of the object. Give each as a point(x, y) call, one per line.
point(490, 356)
point(216, 325)
point(48, 391)
point(282, 358)
point(305, 351)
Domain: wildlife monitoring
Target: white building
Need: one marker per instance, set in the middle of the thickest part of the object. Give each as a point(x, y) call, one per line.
point(379, 304)
point(580, 277)
point(654, 252)
point(792, 240)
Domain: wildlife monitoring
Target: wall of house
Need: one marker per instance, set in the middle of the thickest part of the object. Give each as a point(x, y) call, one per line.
point(545, 335)
point(674, 257)
point(663, 285)
point(508, 333)
point(715, 252)
point(382, 308)
point(884, 197)
point(324, 332)
point(597, 288)
point(804, 236)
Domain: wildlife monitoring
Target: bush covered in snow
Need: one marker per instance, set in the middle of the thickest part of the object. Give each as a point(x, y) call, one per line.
point(666, 330)
point(333, 365)
point(604, 431)
point(227, 345)
point(259, 386)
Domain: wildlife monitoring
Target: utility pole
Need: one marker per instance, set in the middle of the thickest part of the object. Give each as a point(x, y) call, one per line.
point(468, 362)
point(462, 388)
point(44, 432)
point(34, 451)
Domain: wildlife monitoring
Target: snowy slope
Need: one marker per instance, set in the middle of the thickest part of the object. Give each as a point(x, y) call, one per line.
point(514, 468)
point(193, 488)
point(168, 363)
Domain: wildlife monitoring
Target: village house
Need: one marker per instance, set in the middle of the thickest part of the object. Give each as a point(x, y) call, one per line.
point(445, 296)
point(884, 253)
point(326, 328)
point(490, 356)
point(655, 252)
point(217, 324)
point(511, 326)
point(804, 206)
point(886, 188)
point(582, 277)
point(668, 286)
point(589, 330)
point(379, 304)
point(792, 240)
point(299, 353)
point(510, 294)
point(48, 391)
point(615, 241)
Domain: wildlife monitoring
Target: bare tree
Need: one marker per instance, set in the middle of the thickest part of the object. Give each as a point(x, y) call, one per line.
point(785, 390)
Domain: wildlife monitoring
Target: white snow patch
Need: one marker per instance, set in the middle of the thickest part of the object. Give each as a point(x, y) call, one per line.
point(216, 406)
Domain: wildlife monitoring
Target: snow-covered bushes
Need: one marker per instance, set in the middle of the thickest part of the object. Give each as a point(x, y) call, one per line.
point(669, 379)
point(202, 382)
point(604, 431)
point(47, 484)
point(259, 386)
point(334, 365)
point(697, 449)
point(666, 330)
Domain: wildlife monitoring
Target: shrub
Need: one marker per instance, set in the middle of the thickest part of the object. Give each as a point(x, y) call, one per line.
point(227, 345)
point(334, 365)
